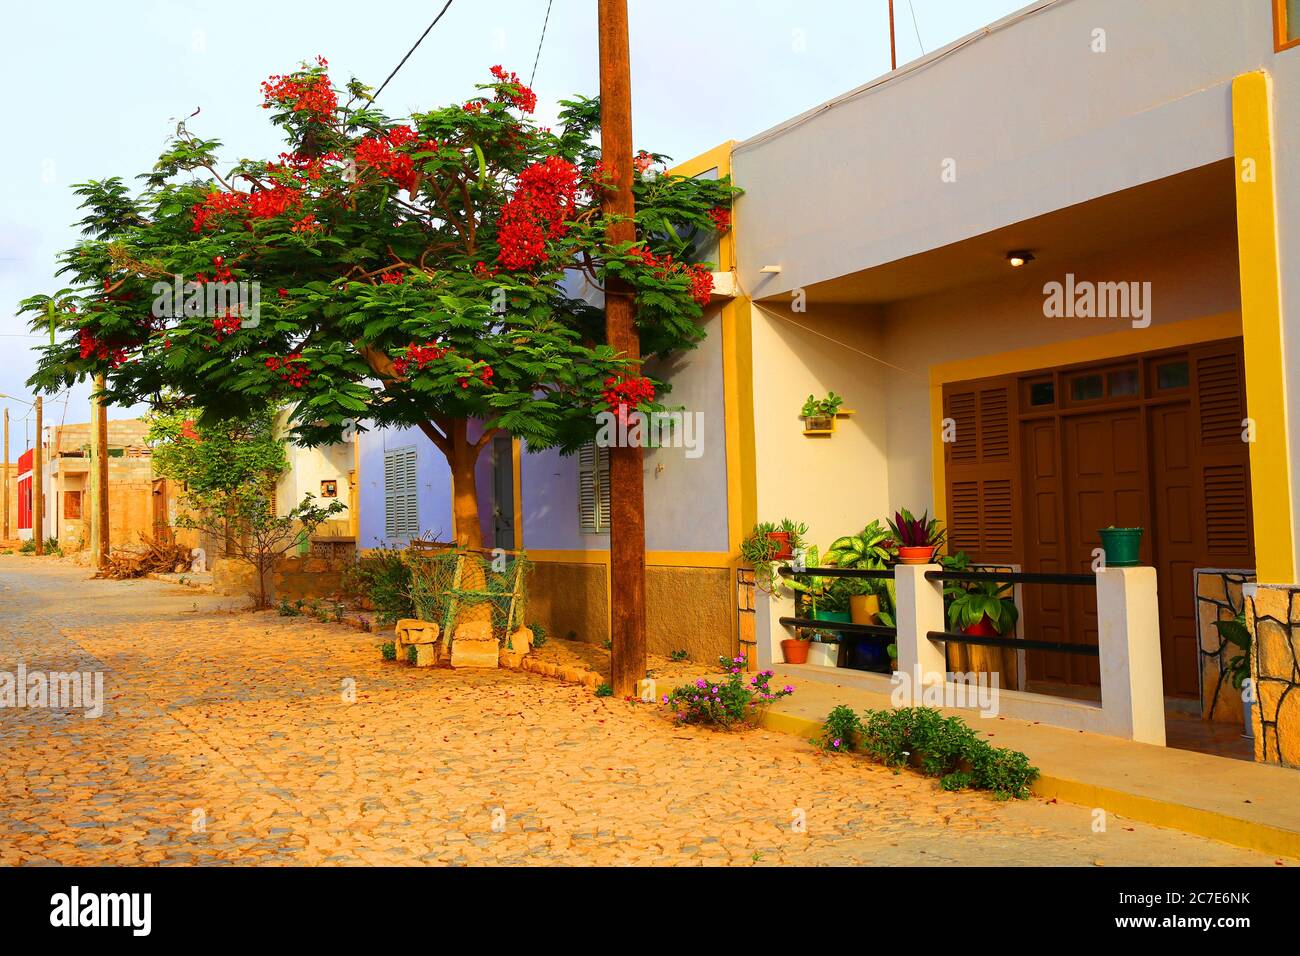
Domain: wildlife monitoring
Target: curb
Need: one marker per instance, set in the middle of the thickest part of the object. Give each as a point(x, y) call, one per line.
point(1162, 813)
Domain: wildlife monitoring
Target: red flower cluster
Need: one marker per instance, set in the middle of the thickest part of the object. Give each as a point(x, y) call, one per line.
point(421, 355)
point(187, 430)
point(721, 218)
point(642, 161)
point(307, 223)
point(378, 152)
point(257, 205)
point(623, 393)
point(481, 270)
point(306, 94)
point(543, 199)
point(292, 368)
point(700, 278)
point(392, 278)
point(225, 325)
point(89, 345)
point(520, 96)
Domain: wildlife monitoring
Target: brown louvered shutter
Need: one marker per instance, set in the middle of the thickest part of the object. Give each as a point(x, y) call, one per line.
point(1219, 387)
point(980, 469)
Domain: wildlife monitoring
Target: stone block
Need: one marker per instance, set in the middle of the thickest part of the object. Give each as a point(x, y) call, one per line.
point(410, 630)
point(509, 659)
point(426, 655)
point(474, 646)
point(521, 641)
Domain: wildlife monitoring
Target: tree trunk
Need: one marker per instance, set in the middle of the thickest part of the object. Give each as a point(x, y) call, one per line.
point(468, 531)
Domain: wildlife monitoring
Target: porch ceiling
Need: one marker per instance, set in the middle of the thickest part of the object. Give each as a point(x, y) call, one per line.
point(1194, 200)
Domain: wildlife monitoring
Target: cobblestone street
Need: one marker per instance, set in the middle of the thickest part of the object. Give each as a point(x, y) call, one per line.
point(226, 738)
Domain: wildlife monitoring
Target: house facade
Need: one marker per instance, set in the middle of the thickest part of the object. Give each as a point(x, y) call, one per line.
point(1050, 268)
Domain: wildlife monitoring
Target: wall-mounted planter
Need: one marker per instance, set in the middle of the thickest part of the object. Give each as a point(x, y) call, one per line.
point(823, 424)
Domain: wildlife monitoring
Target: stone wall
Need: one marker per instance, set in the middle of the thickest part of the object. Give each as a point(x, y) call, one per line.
point(1273, 616)
point(294, 578)
point(1218, 598)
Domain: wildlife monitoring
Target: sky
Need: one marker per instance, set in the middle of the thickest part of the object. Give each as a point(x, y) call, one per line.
point(96, 88)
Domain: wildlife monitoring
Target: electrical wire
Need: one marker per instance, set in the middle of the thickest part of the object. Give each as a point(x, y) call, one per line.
point(916, 28)
point(402, 62)
point(540, 41)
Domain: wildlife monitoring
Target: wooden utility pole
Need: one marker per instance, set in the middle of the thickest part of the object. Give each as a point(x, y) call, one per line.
point(38, 492)
point(893, 57)
point(99, 455)
point(626, 479)
point(5, 536)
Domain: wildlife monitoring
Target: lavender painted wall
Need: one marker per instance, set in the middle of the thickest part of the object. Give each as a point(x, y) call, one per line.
point(434, 479)
point(686, 498)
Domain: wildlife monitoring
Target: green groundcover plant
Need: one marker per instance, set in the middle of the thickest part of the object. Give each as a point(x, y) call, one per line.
point(943, 747)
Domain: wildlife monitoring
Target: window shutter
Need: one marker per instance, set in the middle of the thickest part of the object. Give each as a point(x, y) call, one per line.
point(593, 489)
point(401, 493)
point(1220, 390)
point(980, 467)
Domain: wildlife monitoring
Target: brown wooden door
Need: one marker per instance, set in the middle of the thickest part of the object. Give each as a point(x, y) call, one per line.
point(1154, 441)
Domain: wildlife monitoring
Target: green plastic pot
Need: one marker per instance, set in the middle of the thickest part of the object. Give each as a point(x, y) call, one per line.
point(1121, 546)
point(842, 617)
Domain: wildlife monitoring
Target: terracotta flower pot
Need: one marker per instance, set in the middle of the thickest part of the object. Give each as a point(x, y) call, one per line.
point(782, 541)
point(916, 555)
point(863, 608)
point(795, 651)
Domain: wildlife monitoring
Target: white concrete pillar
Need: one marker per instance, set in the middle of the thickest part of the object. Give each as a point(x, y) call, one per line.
point(919, 610)
point(768, 630)
point(1128, 639)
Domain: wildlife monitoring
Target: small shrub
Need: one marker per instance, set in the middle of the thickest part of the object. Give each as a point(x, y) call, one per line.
point(607, 644)
point(946, 747)
point(539, 634)
point(28, 547)
point(724, 702)
point(411, 654)
point(604, 690)
point(285, 609)
point(384, 579)
point(840, 730)
point(679, 656)
point(388, 650)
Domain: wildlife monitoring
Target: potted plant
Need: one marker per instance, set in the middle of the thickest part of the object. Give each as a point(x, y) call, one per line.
point(1121, 546)
point(1236, 633)
point(868, 550)
point(916, 539)
point(769, 543)
point(982, 608)
point(892, 651)
point(795, 649)
point(819, 413)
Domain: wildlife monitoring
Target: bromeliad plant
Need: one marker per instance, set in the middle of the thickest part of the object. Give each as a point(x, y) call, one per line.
point(399, 272)
point(727, 701)
point(916, 539)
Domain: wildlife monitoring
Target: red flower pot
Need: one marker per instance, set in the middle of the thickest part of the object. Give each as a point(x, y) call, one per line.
point(795, 651)
point(981, 628)
point(915, 555)
point(782, 541)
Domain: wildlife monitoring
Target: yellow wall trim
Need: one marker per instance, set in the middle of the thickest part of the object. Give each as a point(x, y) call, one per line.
point(1261, 322)
point(663, 559)
point(1094, 348)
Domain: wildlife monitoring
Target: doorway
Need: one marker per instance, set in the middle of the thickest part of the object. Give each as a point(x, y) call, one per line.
point(1043, 460)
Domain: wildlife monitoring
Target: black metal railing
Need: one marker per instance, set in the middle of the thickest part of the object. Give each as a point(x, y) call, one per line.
point(1003, 577)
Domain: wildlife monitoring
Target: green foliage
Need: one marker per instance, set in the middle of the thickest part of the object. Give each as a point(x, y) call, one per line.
point(1236, 633)
point(285, 609)
point(826, 407)
point(971, 601)
point(384, 579)
point(724, 702)
point(604, 690)
point(679, 655)
point(840, 730)
point(230, 455)
point(759, 549)
point(28, 546)
point(411, 654)
point(376, 243)
point(945, 747)
point(909, 531)
point(52, 547)
point(539, 633)
point(388, 650)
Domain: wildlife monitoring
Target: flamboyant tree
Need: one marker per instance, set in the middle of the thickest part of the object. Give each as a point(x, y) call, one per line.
point(394, 273)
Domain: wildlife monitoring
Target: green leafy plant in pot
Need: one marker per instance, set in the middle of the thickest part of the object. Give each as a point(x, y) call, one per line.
point(1236, 633)
point(982, 608)
point(1122, 546)
point(766, 544)
point(916, 539)
point(819, 413)
point(867, 550)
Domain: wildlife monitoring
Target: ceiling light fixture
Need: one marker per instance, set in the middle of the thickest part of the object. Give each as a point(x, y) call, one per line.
point(1018, 257)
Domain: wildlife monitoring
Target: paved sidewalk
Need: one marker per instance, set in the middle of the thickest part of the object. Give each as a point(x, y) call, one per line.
point(227, 738)
point(1248, 804)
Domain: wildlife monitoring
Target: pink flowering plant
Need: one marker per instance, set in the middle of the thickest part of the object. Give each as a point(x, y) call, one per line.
point(723, 702)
